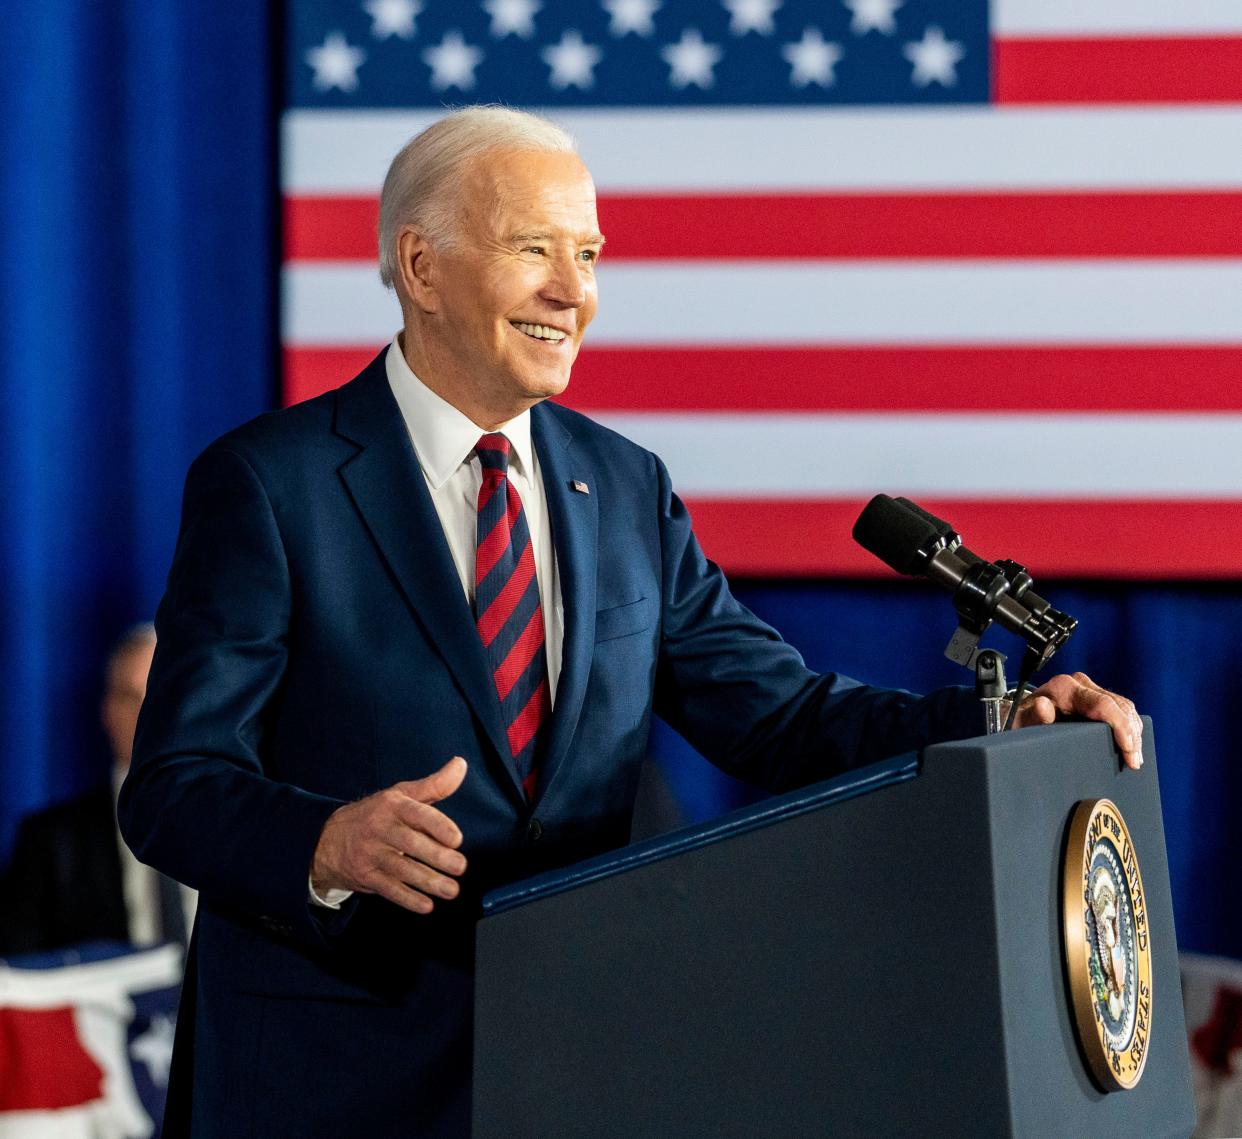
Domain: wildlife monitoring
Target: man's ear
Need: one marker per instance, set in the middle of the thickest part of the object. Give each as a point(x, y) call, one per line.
point(416, 269)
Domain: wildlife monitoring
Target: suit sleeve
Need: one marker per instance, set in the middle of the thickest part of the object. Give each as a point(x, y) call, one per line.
point(198, 803)
point(745, 699)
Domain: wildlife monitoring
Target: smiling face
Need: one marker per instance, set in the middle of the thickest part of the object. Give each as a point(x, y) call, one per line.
point(494, 321)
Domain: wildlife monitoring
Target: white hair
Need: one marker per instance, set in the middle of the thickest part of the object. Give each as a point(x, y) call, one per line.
point(418, 189)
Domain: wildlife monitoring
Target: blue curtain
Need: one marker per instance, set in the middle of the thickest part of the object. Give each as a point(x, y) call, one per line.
point(137, 321)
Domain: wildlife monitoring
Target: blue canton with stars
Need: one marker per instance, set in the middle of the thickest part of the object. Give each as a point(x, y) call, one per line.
point(638, 53)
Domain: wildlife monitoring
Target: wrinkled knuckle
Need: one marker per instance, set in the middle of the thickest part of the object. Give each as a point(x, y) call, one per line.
point(407, 841)
point(391, 798)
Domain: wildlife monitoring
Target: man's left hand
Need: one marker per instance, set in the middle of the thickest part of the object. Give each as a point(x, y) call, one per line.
point(1079, 695)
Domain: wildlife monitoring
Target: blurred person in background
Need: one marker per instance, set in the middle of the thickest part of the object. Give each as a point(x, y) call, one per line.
point(72, 880)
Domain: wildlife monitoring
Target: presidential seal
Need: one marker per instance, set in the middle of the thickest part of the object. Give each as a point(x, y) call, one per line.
point(1107, 944)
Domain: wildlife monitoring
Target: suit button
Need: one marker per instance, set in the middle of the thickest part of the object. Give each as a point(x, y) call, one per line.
point(534, 830)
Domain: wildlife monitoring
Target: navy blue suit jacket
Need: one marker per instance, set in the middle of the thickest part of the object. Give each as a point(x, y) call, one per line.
point(315, 645)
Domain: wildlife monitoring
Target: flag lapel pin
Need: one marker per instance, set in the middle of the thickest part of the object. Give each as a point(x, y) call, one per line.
point(580, 486)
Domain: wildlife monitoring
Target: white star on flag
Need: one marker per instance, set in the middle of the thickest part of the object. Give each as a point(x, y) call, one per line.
point(512, 17)
point(154, 1049)
point(934, 58)
point(572, 62)
point(452, 62)
point(811, 59)
point(751, 16)
point(336, 63)
point(691, 60)
point(635, 16)
point(393, 17)
point(873, 15)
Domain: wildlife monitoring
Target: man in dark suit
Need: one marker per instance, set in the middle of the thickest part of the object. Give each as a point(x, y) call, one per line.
point(413, 637)
point(70, 879)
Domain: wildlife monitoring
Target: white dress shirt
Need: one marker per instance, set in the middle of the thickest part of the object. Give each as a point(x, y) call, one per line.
point(444, 440)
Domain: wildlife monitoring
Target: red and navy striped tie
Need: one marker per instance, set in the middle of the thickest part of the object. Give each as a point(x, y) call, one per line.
point(507, 610)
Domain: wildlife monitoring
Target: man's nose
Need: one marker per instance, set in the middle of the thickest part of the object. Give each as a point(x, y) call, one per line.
point(565, 284)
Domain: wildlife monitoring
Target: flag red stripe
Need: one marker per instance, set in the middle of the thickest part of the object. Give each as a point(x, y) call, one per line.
point(829, 225)
point(322, 228)
point(1066, 538)
point(763, 226)
point(1217, 1038)
point(43, 1064)
point(1020, 379)
point(953, 378)
point(1189, 69)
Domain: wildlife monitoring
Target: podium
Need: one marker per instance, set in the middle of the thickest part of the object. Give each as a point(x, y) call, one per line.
point(879, 954)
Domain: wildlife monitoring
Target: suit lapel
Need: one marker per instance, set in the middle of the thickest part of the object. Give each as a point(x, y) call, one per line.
point(387, 487)
point(575, 526)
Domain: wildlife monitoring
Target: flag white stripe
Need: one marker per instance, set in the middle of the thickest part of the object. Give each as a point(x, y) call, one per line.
point(739, 149)
point(755, 455)
point(1055, 18)
point(90, 982)
point(937, 302)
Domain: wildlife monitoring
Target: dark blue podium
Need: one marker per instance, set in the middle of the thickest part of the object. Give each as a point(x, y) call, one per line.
point(879, 954)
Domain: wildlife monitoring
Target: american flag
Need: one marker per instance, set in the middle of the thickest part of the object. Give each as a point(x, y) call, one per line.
point(985, 256)
point(86, 1040)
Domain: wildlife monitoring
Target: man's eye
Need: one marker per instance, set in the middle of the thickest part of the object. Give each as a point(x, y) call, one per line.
point(589, 255)
point(534, 249)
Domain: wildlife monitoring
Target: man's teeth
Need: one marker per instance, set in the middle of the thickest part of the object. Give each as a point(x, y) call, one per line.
point(539, 331)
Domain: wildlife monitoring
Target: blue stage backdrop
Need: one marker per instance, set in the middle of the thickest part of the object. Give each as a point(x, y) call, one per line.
point(137, 321)
point(137, 312)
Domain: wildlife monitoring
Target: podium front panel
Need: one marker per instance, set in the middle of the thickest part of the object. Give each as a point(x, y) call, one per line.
point(885, 964)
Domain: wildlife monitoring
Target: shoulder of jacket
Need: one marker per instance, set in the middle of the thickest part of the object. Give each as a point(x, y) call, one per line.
point(588, 431)
point(276, 437)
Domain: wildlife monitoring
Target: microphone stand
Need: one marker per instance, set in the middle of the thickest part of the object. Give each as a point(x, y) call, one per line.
point(983, 588)
point(990, 686)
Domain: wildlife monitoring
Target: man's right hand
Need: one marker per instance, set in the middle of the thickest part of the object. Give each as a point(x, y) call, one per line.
point(395, 843)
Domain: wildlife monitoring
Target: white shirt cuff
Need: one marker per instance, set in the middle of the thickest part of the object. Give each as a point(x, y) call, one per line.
point(331, 899)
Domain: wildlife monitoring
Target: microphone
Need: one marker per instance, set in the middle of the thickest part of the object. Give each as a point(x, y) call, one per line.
point(915, 542)
point(1019, 580)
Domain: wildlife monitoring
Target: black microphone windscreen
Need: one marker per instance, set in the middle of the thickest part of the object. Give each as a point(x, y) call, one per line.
point(942, 527)
point(898, 536)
